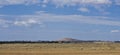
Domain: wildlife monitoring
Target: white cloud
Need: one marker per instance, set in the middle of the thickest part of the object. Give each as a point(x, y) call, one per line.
point(40, 17)
point(115, 31)
point(4, 23)
point(17, 2)
point(27, 22)
point(83, 9)
point(117, 2)
point(46, 17)
point(44, 5)
point(45, 1)
point(97, 4)
point(58, 3)
point(79, 2)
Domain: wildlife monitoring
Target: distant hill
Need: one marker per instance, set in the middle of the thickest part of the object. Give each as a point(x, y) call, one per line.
point(69, 39)
point(63, 40)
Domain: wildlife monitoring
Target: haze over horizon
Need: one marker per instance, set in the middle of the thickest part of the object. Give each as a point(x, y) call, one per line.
point(56, 19)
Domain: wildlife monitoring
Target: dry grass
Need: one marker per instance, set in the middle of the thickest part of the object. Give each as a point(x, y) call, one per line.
point(60, 49)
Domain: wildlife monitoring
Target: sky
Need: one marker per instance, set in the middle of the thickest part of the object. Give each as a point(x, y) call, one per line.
point(56, 19)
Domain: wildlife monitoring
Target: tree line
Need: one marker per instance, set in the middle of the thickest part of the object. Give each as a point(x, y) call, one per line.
point(9, 42)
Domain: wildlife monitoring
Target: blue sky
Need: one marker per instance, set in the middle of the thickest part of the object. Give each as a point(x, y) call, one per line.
point(55, 19)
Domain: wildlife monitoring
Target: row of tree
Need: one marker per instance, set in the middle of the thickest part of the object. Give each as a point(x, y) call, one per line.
point(7, 42)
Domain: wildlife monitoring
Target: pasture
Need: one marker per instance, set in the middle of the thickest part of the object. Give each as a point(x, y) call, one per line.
point(60, 49)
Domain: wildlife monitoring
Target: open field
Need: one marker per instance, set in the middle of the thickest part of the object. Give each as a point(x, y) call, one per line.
point(60, 49)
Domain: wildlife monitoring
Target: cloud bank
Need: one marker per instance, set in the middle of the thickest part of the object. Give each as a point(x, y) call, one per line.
point(55, 2)
point(99, 5)
point(42, 17)
point(60, 3)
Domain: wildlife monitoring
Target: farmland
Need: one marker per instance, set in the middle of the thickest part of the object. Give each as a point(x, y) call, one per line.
point(60, 49)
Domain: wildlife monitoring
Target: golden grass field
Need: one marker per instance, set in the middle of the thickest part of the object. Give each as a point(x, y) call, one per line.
point(60, 49)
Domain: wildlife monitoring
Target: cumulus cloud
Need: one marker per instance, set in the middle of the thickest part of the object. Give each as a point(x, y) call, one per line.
point(115, 31)
point(97, 4)
point(18, 2)
point(57, 3)
point(41, 17)
point(79, 2)
point(99, 20)
point(83, 9)
point(27, 22)
point(4, 23)
point(117, 2)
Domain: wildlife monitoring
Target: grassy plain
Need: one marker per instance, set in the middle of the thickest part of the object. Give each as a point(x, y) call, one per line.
point(60, 49)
